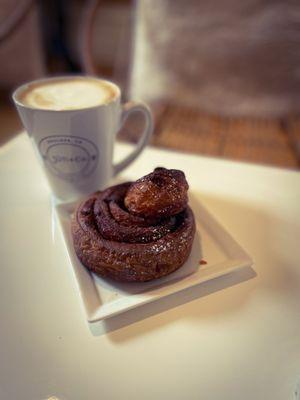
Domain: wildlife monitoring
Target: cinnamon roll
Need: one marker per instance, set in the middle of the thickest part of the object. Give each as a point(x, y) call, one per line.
point(136, 231)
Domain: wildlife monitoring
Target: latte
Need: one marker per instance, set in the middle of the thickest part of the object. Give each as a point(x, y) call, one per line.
point(68, 94)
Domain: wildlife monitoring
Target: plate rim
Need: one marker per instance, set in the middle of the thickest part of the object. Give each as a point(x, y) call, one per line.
point(138, 299)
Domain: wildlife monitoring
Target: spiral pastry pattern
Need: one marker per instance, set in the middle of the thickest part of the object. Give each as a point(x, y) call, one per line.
point(113, 242)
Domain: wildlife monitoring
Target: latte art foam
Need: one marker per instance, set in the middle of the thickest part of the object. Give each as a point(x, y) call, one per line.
point(69, 94)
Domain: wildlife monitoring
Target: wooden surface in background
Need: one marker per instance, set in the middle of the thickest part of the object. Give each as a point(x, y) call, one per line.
point(272, 142)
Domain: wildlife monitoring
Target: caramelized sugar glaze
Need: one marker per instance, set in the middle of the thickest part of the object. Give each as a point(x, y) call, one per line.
point(136, 231)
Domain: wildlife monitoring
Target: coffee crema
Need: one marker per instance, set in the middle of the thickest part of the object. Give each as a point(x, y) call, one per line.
point(68, 94)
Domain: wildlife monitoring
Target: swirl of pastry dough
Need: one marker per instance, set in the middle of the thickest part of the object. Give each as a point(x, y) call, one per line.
point(114, 242)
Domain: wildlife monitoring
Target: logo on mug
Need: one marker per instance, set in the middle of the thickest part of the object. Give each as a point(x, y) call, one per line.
point(69, 157)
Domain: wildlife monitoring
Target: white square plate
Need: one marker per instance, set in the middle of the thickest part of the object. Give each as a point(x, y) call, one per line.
point(103, 298)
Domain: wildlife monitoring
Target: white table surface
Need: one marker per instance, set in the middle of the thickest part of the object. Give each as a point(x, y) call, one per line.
point(227, 339)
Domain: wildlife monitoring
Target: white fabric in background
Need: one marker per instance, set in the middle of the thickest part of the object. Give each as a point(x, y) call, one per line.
point(224, 56)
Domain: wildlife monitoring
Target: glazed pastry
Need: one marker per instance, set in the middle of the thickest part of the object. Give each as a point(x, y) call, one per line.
point(136, 231)
point(161, 193)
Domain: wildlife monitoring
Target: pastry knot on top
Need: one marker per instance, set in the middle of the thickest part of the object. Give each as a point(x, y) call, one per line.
point(162, 193)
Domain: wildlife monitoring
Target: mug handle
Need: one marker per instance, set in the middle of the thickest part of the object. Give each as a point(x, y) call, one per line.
point(127, 109)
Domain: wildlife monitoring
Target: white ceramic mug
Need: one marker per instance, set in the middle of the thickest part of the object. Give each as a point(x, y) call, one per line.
point(76, 146)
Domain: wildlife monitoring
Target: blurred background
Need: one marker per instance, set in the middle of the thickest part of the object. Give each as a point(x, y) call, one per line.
point(222, 76)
